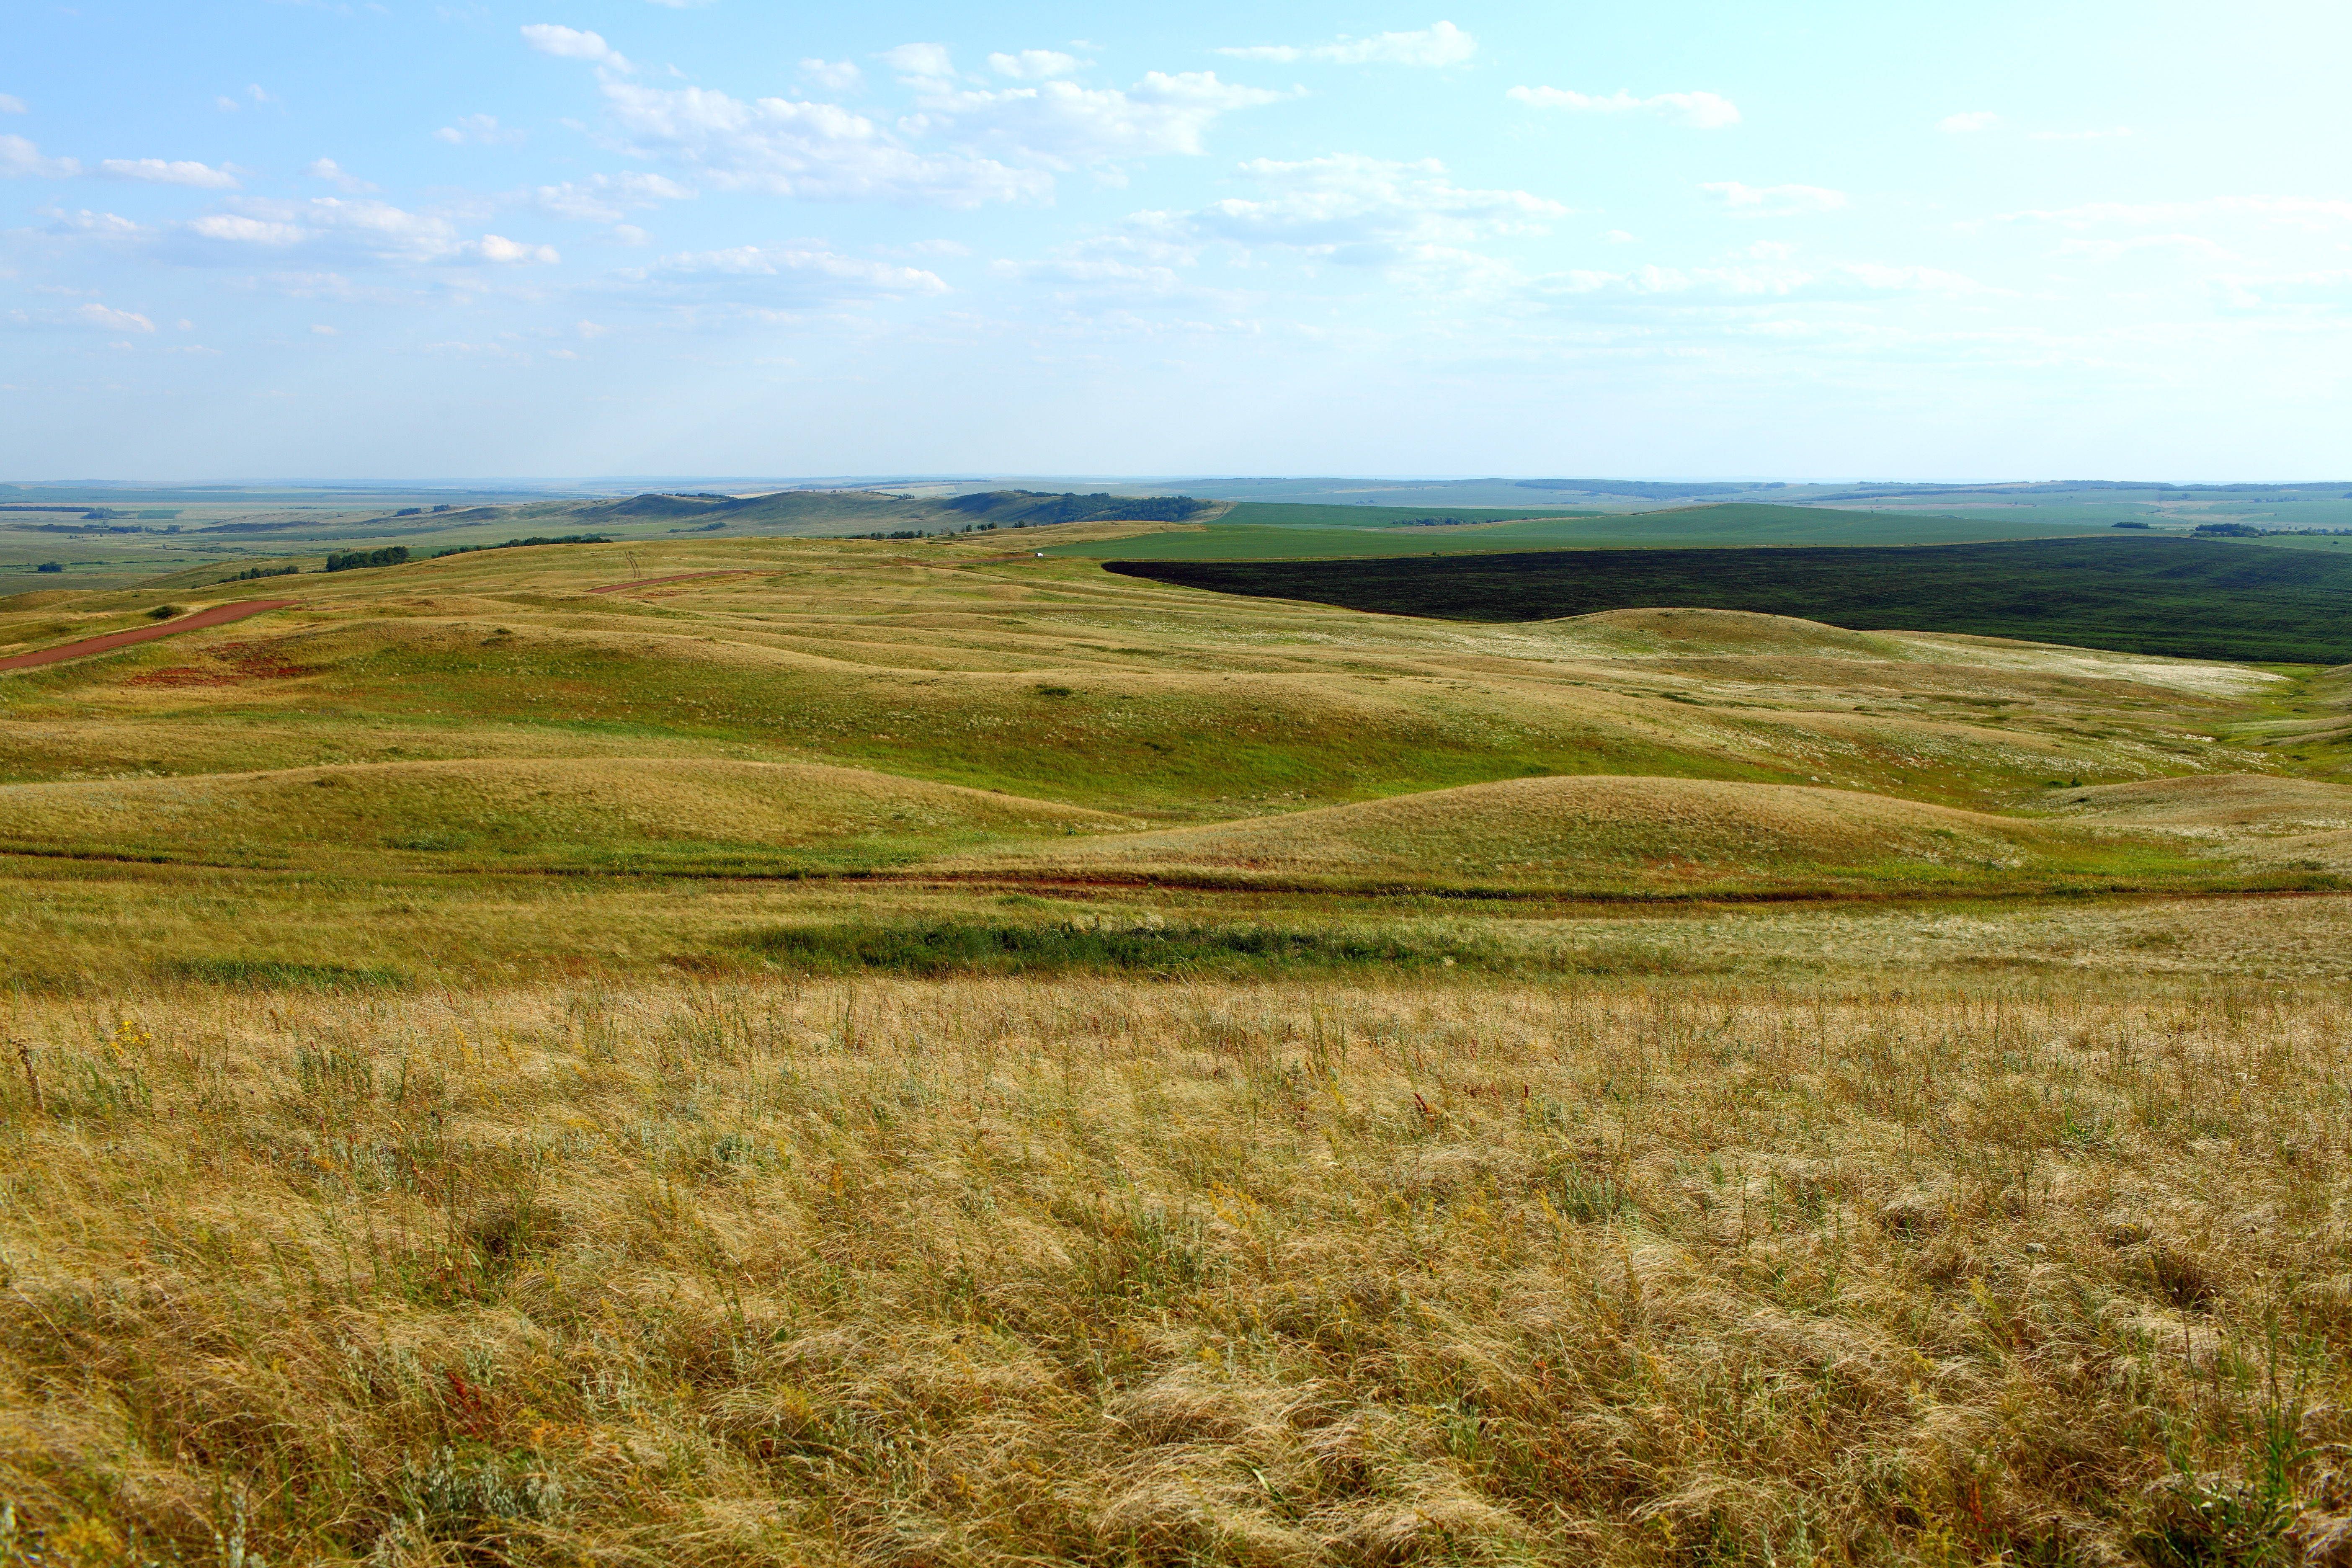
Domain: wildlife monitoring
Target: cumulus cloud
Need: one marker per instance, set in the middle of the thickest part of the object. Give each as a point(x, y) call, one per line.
point(573, 43)
point(1439, 44)
point(1773, 201)
point(1061, 125)
point(95, 317)
point(833, 76)
point(107, 225)
point(1035, 64)
point(327, 168)
point(1705, 110)
point(156, 172)
point(602, 198)
point(20, 159)
point(1355, 209)
point(331, 229)
point(1408, 219)
point(1972, 120)
point(814, 151)
point(12, 104)
point(481, 129)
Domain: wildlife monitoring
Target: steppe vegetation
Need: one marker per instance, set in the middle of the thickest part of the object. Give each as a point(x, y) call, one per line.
point(922, 1053)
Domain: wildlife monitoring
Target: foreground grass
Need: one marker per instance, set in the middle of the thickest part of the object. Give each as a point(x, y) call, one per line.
point(994, 1271)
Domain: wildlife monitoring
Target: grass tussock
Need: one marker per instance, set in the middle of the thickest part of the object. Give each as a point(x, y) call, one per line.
point(984, 1271)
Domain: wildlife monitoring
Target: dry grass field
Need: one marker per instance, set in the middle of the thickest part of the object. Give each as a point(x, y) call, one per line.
point(923, 1053)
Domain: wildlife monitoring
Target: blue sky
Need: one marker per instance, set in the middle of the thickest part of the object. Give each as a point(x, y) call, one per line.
point(595, 237)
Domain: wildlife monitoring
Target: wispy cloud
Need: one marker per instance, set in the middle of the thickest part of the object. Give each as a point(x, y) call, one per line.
point(1773, 201)
point(12, 104)
point(327, 168)
point(575, 43)
point(20, 159)
point(482, 130)
point(602, 198)
point(1703, 110)
point(1439, 44)
point(833, 76)
point(95, 317)
point(1035, 64)
point(2112, 133)
point(157, 172)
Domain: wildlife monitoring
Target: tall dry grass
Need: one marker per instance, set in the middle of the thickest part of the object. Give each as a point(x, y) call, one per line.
point(1109, 1272)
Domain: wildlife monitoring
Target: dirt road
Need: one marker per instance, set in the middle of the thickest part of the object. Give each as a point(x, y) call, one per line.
point(216, 615)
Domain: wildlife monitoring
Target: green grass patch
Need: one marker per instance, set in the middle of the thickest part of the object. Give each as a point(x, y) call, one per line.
point(986, 947)
point(287, 974)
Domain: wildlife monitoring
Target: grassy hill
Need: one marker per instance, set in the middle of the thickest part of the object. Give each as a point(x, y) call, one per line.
point(761, 1051)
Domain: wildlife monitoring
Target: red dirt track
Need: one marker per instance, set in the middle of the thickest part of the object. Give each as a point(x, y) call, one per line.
point(218, 615)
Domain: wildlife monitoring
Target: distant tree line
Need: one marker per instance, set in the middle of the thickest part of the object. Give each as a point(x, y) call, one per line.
point(250, 573)
point(520, 543)
point(357, 560)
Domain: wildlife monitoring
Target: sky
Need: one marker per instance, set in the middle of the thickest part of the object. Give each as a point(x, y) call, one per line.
point(577, 238)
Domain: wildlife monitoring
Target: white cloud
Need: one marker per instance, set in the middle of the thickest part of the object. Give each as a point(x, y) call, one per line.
point(333, 229)
point(1972, 120)
point(602, 198)
point(99, 318)
point(327, 168)
point(572, 44)
point(2304, 211)
point(630, 234)
point(2114, 132)
point(155, 171)
point(239, 230)
point(481, 129)
point(591, 330)
point(814, 151)
point(833, 76)
point(2292, 294)
point(1035, 64)
point(1063, 125)
point(319, 328)
point(226, 105)
point(497, 248)
point(1773, 201)
point(88, 222)
point(20, 158)
point(1771, 283)
point(1347, 210)
point(260, 96)
point(919, 62)
point(2165, 244)
point(798, 274)
point(1439, 44)
point(1703, 110)
point(11, 104)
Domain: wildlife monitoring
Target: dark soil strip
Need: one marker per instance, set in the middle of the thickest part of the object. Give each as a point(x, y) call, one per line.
point(2190, 598)
point(218, 615)
point(681, 577)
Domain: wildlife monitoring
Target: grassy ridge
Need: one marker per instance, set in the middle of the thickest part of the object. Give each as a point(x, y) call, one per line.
point(2187, 598)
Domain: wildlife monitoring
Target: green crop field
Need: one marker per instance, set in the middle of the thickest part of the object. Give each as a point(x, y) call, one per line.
point(2198, 598)
point(1269, 531)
